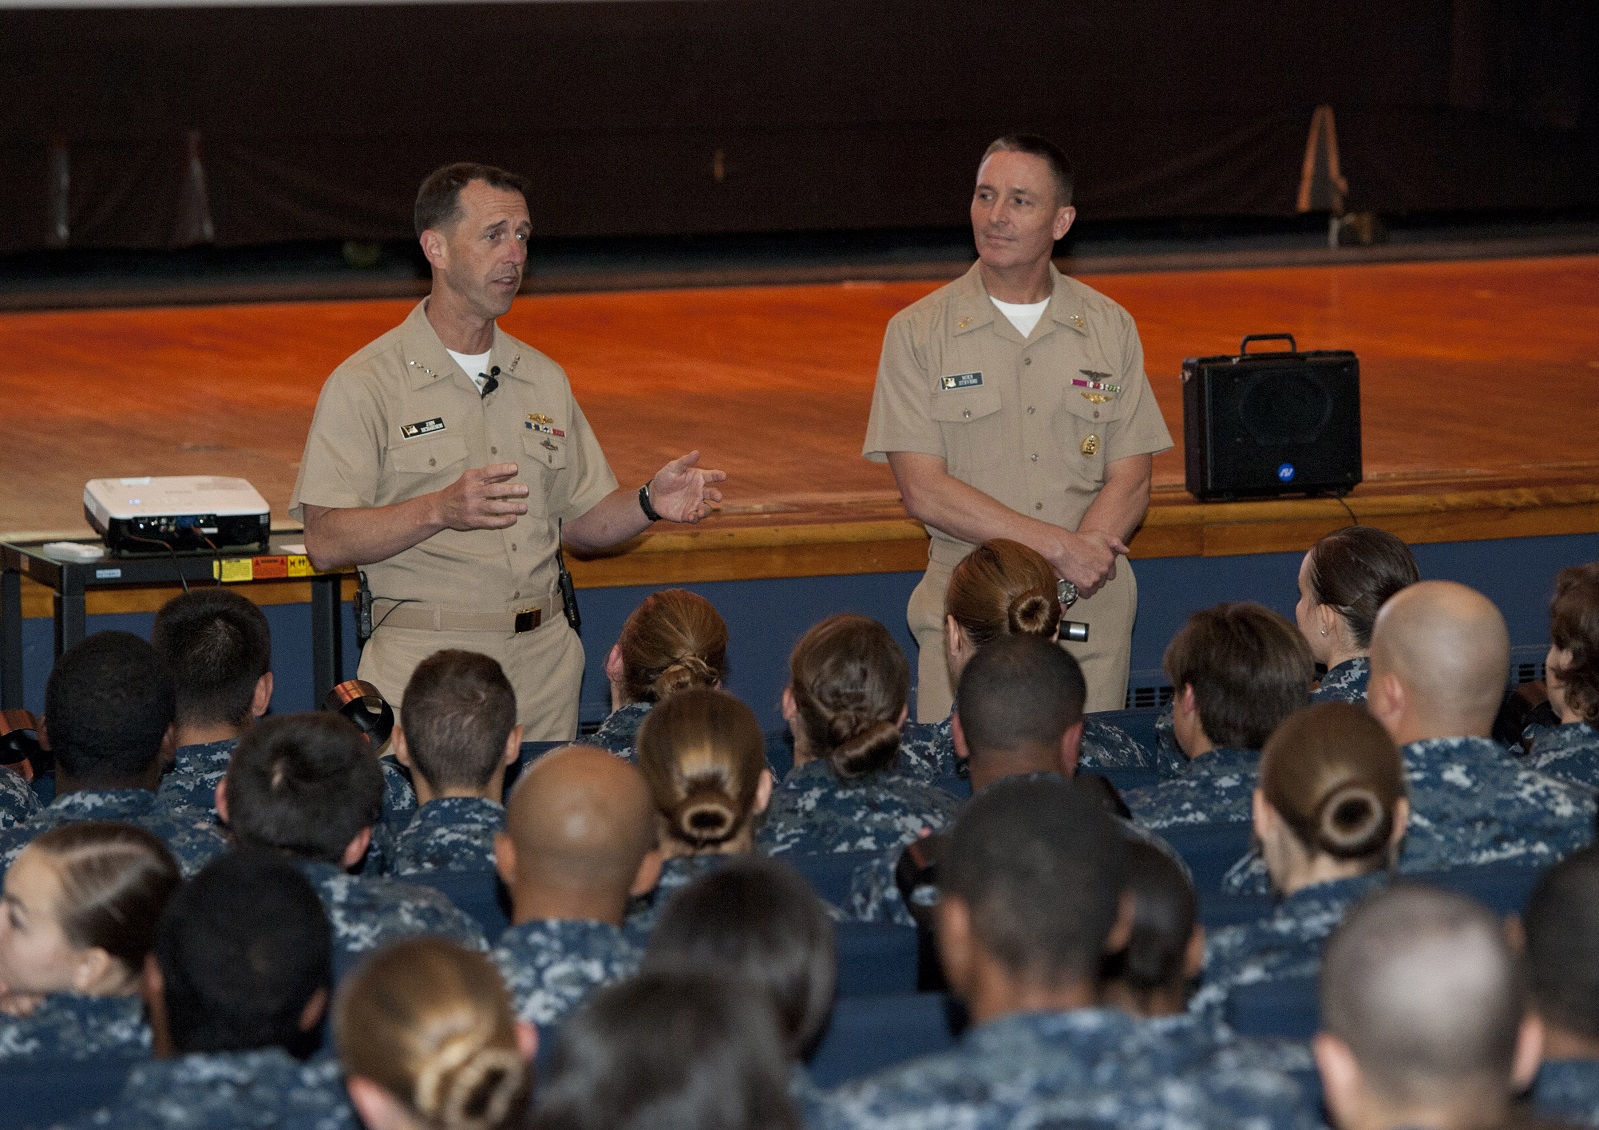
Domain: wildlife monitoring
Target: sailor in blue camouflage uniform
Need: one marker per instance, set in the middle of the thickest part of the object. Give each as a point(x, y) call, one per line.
point(1344, 580)
point(1568, 1090)
point(677, 872)
point(1215, 789)
point(551, 966)
point(1344, 682)
point(18, 801)
point(1560, 924)
point(927, 749)
point(367, 912)
point(814, 812)
point(1568, 752)
point(618, 733)
point(193, 841)
point(266, 1088)
point(449, 834)
point(68, 1026)
point(191, 782)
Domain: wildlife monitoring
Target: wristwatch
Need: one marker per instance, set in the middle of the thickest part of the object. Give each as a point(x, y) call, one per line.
point(1065, 592)
point(650, 512)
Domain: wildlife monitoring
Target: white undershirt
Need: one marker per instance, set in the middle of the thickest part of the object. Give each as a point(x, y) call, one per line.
point(476, 365)
point(1023, 315)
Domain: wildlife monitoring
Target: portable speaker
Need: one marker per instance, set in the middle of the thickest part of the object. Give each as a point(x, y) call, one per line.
point(1268, 424)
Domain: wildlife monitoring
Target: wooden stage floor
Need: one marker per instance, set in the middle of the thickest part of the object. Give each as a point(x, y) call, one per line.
point(1480, 403)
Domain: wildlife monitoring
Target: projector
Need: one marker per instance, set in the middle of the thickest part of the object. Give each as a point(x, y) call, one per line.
point(182, 512)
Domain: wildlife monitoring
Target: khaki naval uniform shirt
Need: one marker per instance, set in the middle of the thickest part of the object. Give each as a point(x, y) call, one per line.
point(958, 381)
point(401, 419)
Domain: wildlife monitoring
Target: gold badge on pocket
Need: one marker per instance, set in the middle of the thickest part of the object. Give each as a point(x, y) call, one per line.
point(1090, 445)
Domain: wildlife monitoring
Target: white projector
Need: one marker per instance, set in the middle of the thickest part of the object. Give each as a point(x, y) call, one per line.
point(188, 512)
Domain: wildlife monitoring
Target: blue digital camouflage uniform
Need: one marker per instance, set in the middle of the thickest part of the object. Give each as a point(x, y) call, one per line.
point(676, 873)
point(1472, 803)
point(18, 801)
point(1285, 944)
point(1085, 1068)
point(1199, 1042)
point(1345, 682)
point(191, 782)
point(194, 840)
point(552, 965)
point(368, 911)
point(67, 1026)
point(619, 732)
point(1216, 789)
point(264, 1089)
point(813, 812)
point(807, 1097)
point(1568, 1090)
point(1567, 753)
point(927, 749)
point(449, 834)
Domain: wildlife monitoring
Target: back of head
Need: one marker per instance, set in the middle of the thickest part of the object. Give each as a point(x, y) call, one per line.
point(217, 645)
point(438, 200)
point(669, 1051)
point(1249, 668)
point(115, 880)
point(1165, 911)
point(1448, 646)
point(580, 819)
point(702, 753)
point(242, 947)
point(1041, 866)
point(306, 784)
point(1562, 928)
point(850, 683)
point(432, 1024)
point(759, 920)
point(673, 641)
point(1060, 168)
point(1019, 691)
point(459, 713)
point(1335, 777)
point(1002, 588)
point(1355, 570)
point(1574, 628)
point(108, 705)
point(1424, 989)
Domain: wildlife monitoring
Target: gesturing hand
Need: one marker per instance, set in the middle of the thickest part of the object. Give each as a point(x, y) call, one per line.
point(482, 499)
point(681, 491)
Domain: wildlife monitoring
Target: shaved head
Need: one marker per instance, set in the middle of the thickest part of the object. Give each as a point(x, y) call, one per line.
point(581, 820)
point(1448, 647)
point(1423, 988)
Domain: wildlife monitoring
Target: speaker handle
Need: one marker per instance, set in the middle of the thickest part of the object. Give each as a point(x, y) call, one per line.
point(1293, 346)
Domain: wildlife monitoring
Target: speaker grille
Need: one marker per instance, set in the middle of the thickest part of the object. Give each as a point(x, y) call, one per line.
point(1279, 407)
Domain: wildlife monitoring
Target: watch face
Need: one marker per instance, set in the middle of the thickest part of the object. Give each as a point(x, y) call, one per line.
point(1066, 593)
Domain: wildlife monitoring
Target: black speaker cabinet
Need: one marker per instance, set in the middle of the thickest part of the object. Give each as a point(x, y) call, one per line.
point(1267, 424)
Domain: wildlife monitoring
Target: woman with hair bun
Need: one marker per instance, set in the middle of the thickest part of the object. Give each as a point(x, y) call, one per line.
point(704, 758)
point(79, 918)
point(1344, 580)
point(427, 1039)
point(1003, 588)
point(845, 703)
point(674, 640)
point(1570, 751)
point(1330, 810)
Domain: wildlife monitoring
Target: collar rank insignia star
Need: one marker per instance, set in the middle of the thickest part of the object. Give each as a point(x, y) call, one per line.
point(963, 323)
point(1077, 320)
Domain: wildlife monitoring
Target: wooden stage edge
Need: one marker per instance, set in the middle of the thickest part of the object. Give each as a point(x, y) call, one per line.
point(876, 536)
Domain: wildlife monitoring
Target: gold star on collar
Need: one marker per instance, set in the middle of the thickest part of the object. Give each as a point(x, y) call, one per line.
point(963, 323)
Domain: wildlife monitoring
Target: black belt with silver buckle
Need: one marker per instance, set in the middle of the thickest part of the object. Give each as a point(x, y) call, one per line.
point(528, 619)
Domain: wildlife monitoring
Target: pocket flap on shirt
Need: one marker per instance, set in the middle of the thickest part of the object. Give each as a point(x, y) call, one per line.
point(957, 406)
point(426, 457)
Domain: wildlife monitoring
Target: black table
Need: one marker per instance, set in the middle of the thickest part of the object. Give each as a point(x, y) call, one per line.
point(69, 581)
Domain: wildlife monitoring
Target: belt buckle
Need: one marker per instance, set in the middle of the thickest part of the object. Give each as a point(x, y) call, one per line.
point(528, 619)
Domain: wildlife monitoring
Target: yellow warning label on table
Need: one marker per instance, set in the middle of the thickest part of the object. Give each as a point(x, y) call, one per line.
point(231, 569)
point(300, 566)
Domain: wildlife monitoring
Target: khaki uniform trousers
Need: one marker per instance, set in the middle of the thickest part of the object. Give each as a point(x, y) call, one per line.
point(1105, 658)
point(545, 666)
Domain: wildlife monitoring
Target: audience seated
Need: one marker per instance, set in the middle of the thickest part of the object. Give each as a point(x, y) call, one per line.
point(237, 981)
point(79, 917)
point(308, 786)
point(457, 736)
point(1329, 813)
point(108, 717)
point(1561, 930)
point(1003, 588)
point(18, 801)
point(428, 1041)
point(1030, 902)
point(758, 920)
point(1343, 581)
point(1440, 656)
point(1423, 1016)
point(1570, 751)
point(579, 839)
point(1237, 671)
point(674, 640)
point(847, 697)
point(669, 1051)
point(703, 757)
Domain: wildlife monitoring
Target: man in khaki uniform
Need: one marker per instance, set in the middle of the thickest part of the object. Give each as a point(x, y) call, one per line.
point(443, 457)
point(1013, 403)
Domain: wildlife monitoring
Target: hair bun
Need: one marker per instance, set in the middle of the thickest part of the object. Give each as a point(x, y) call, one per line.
point(706, 816)
point(471, 1092)
point(1351, 822)
point(682, 673)
point(867, 750)
point(1033, 613)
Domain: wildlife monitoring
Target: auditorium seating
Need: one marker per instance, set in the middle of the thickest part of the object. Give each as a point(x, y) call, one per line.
point(829, 873)
point(876, 959)
point(50, 1093)
point(478, 894)
point(1209, 850)
point(868, 1034)
point(1288, 1007)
